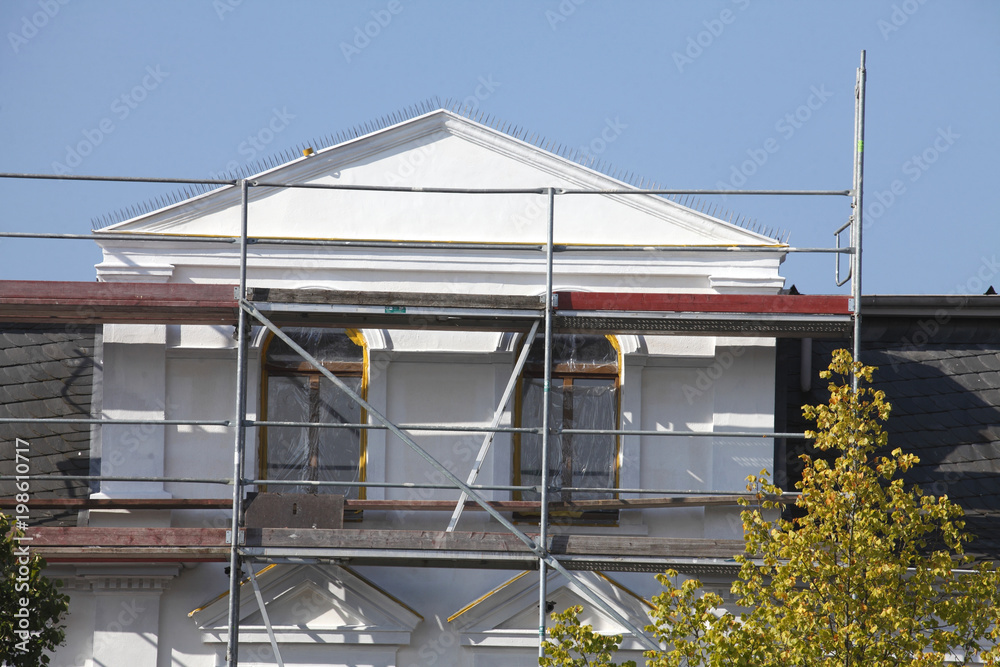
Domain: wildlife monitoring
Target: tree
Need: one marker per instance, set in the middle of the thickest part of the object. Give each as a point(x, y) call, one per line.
point(578, 645)
point(868, 572)
point(31, 606)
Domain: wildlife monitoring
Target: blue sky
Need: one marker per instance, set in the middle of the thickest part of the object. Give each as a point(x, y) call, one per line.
point(694, 91)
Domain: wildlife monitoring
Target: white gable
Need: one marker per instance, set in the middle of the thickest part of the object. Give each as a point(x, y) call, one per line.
point(314, 600)
point(507, 617)
point(313, 604)
point(441, 149)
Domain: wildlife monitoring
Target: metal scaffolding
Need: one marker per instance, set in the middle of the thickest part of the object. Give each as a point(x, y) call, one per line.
point(254, 306)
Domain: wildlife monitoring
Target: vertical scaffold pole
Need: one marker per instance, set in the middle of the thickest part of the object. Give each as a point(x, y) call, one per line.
point(856, 229)
point(232, 647)
point(543, 521)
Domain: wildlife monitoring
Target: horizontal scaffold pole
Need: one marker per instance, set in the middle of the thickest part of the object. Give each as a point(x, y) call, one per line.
point(412, 505)
point(114, 422)
point(416, 245)
point(122, 179)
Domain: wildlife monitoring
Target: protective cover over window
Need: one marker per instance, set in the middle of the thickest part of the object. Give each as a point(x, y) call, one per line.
point(295, 391)
point(584, 395)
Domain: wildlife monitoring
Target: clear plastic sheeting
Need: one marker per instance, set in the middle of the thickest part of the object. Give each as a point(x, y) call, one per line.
point(295, 392)
point(584, 395)
point(573, 353)
point(577, 460)
point(327, 345)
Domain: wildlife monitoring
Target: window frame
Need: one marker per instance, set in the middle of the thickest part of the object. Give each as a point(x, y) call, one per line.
point(565, 374)
point(307, 370)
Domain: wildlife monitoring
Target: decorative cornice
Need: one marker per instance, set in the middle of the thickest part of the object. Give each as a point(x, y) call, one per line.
point(153, 580)
point(112, 584)
point(114, 272)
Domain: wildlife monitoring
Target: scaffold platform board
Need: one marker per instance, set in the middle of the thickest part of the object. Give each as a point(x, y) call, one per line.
point(411, 548)
point(766, 315)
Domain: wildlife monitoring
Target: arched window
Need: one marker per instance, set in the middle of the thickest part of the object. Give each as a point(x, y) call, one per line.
point(292, 390)
point(585, 395)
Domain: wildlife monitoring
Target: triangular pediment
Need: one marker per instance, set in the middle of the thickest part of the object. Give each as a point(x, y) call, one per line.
point(508, 615)
point(313, 599)
point(441, 149)
point(312, 603)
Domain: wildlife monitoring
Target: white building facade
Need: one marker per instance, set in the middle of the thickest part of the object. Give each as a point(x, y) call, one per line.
point(329, 612)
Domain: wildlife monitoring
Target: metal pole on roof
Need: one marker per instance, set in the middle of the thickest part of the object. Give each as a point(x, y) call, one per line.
point(543, 521)
point(859, 173)
point(232, 646)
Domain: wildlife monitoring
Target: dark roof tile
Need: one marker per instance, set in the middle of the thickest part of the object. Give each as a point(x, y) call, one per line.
point(979, 363)
point(990, 394)
point(11, 394)
point(986, 415)
point(45, 371)
point(990, 433)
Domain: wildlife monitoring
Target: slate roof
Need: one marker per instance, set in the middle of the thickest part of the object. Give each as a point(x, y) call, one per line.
point(47, 371)
point(942, 376)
